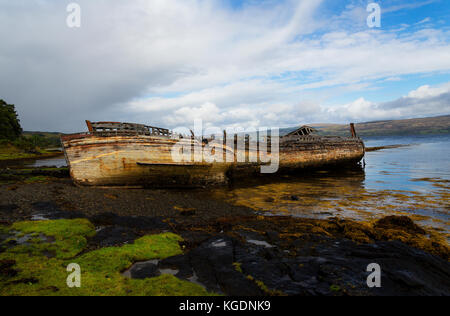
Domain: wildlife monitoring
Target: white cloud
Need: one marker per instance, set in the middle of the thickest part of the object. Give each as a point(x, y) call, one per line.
point(208, 112)
point(167, 62)
point(426, 20)
point(424, 101)
point(427, 91)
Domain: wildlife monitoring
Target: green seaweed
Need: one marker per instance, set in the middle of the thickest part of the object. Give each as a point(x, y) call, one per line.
point(39, 275)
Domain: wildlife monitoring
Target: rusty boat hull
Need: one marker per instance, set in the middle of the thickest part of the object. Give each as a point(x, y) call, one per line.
point(109, 158)
point(134, 161)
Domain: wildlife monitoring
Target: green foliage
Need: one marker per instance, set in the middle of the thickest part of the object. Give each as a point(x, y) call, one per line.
point(9, 122)
point(42, 139)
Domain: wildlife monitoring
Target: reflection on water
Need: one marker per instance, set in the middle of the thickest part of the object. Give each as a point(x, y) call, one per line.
point(413, 181)
point(58, 162)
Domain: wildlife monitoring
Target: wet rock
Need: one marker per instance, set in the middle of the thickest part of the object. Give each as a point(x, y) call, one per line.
point(8, 209)
point(66, 215)
point(405, 270)
point(326, 267)
point(260, 243)
point(50, 210)
point(113, 236)
point(213, 264)
point(272, 236)
point(12, 243)
point(6, 268)
point(267, 266)
point(180, 263)
point(193, 239)
point(408, 279)
point(144, 270)
point(188, 212)
point(140, 223)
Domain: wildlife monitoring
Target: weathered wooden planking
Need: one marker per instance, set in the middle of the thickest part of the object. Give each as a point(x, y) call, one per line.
point(116, 128)
point(146, 160)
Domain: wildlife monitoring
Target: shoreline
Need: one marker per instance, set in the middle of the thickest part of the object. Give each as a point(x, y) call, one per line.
point(32, 157)
point(378, 148)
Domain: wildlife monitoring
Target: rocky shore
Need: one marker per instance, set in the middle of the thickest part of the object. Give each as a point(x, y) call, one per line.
point(216, 248)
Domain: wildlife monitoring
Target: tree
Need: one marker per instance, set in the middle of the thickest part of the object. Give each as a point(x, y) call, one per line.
point(9, 122)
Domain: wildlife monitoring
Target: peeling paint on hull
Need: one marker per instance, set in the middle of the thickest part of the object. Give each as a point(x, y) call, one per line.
point(147, 160)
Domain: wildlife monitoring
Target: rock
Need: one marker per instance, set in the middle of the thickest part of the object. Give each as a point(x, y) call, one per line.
point(51, 211)
point(180, 263)
point(213, 262)
point(8, 209)
point(6, 269)
point(144, 270)
point(408, 279)
point(12, 243)
point(113, 236)
point(188, 212)
point(140, 223)
point(272, 236)
point(45, 207)
point(224, 264)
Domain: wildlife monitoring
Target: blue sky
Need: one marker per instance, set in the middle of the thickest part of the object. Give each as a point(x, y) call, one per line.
point(398, 16)
point(227, 62)
point(405, 18)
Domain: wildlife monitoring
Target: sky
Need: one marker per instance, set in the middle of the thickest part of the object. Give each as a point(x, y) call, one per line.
point(231, 63)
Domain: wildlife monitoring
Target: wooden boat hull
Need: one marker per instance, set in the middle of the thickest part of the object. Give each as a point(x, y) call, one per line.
point(147, 160)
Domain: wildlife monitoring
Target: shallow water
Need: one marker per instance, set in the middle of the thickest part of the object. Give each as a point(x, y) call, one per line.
point(58, 162)
point(412, 180)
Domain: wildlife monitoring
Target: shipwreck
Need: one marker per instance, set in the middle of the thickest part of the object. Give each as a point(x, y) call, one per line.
point(136, 155)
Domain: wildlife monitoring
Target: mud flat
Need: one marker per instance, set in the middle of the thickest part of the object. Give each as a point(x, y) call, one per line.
point(159, 242)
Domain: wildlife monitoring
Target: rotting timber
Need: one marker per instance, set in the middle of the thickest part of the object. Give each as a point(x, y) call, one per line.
point(124, 154)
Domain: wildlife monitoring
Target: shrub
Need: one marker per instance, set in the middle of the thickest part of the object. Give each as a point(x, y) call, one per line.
point(9, 122)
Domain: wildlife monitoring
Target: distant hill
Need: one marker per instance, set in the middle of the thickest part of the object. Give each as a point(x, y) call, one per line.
point(421, 126)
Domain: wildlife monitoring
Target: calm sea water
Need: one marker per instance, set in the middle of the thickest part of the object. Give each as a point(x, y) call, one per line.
point(399, 168)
